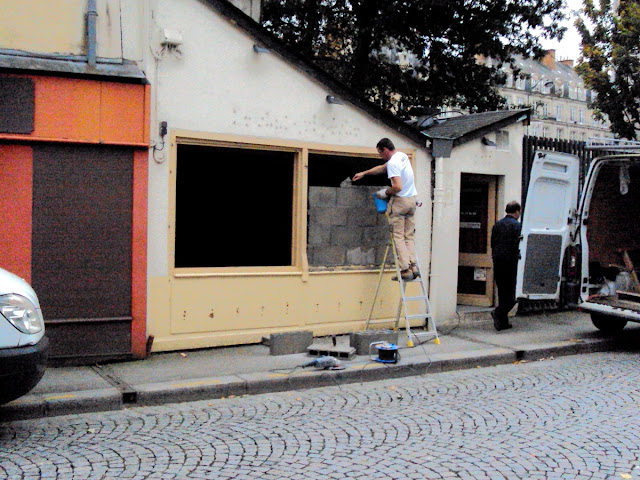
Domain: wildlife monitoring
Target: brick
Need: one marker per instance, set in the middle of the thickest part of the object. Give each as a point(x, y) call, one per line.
point(287, 343)
point(362, 340)
point(322, 196)
point(341, 352)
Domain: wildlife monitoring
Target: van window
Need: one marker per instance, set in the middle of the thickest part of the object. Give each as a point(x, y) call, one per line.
point(548, 193)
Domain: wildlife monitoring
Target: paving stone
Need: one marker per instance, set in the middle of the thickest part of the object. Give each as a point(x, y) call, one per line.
point(568, 418)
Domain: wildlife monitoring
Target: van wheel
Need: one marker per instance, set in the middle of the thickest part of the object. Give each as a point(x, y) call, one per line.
point(607, 323)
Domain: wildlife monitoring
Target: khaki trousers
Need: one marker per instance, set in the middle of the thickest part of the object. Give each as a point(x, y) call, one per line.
point(401, 212)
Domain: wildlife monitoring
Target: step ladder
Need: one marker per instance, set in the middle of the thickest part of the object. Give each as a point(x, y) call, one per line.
point(428, 331)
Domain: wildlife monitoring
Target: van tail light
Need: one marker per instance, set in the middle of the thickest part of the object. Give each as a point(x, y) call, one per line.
point(572, 262)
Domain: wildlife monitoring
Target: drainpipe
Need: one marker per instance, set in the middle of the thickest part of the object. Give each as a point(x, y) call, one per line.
point(437, 219)
point(92, 13)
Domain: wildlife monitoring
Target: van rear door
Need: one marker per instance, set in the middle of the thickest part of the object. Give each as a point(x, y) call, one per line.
point(548, 224)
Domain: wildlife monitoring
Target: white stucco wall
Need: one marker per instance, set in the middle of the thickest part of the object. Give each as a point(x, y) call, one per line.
point(472, 157)
point(218, 85)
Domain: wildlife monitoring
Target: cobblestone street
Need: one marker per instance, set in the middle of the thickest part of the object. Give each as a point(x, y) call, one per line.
point(567, 418)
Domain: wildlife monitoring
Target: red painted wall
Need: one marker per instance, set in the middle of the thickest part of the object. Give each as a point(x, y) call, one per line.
point(72, 110)
point(16, 167)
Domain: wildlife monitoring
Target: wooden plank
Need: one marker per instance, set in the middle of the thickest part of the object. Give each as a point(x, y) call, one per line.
point(629, 264)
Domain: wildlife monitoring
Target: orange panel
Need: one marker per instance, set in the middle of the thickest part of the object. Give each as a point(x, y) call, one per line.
point(88, 111)
point(123, 113)
point(67, 109)
point(139, 255)
point(16, 165)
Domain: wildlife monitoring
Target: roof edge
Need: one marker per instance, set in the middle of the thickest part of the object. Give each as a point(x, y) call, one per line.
point(75, 66)
point(260, 34)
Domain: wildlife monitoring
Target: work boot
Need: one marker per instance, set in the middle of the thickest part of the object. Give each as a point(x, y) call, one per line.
point(414, 269)
point(407, 276)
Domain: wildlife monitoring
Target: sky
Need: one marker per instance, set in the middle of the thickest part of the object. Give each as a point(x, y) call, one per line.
point(569, 47)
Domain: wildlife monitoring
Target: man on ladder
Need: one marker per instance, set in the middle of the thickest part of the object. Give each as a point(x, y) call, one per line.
point(402, 204)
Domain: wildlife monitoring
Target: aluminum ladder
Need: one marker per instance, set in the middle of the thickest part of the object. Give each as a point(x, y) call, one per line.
point(428, 331)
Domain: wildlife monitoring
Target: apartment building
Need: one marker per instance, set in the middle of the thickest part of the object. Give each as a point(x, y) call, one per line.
point(558, 98)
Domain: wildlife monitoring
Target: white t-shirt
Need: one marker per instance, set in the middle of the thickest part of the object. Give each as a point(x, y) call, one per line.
point(400, 166)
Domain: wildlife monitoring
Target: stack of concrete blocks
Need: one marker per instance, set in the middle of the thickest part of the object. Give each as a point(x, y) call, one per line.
point(344, 228)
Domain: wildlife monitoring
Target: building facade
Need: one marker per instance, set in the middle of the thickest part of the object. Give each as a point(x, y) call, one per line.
point(73, 152)
point(190, 166)
point(557, 96)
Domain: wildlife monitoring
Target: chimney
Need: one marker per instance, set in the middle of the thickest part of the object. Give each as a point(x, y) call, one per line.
point(549, 60)
point(568, 63)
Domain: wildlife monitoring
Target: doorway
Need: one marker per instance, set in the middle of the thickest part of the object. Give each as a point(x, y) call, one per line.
point(477, 217)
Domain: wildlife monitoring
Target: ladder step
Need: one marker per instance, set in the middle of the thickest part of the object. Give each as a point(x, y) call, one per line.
point(424, 334)
point(419, 297)
point(418, 315)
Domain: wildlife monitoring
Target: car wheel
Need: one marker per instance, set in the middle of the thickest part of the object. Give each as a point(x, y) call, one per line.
point(608, 323)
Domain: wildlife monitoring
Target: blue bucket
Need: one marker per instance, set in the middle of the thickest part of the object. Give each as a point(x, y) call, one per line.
point(381, 205)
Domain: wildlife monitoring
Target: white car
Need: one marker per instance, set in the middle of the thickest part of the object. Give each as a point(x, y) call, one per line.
point(583, 250)
point(23, 345)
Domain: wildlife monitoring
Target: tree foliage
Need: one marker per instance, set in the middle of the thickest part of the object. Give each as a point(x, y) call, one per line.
point(611, 62)
point(406, 53)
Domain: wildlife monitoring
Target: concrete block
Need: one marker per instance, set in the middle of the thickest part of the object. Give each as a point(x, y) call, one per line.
point(361, 340)
point(319, 235)
point(322, 196)
point(361, 256)
point(340, 352)
point(290, 342)
point(380, 255)
point(381, 220)
point(328, 216)
point(361, 218)
point(326, 256)
point(354, 197)
point(374, 236)
point(346, 236)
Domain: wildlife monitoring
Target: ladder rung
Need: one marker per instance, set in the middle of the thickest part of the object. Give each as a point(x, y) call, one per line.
point(418, 315)
point(424, 334)
point(419, 297)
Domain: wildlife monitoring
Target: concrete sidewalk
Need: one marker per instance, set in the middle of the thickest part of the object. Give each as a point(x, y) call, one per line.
point(246, 370)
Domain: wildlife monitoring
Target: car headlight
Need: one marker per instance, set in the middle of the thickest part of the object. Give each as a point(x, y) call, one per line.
point(21, 313)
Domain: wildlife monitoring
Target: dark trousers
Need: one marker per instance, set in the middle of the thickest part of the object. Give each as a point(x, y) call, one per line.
point(505, 277)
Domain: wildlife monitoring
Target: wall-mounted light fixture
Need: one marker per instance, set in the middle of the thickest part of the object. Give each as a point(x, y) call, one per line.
point(258, 49)
point(487, 142)
point(162, 132)
point(333, 100)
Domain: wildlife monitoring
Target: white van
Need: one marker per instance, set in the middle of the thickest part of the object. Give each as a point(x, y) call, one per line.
point(23, 345)
point(583, 250)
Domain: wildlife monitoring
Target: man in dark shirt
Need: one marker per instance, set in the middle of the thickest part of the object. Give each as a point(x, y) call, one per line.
point(505, 237)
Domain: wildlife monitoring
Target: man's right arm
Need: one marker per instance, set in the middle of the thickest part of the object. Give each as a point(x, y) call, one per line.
point(377, 170)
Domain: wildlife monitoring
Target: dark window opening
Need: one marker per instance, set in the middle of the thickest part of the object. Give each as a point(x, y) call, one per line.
point(332, 170)
point(234, 207)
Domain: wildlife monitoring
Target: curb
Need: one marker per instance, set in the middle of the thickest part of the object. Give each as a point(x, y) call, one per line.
point(154, 394)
